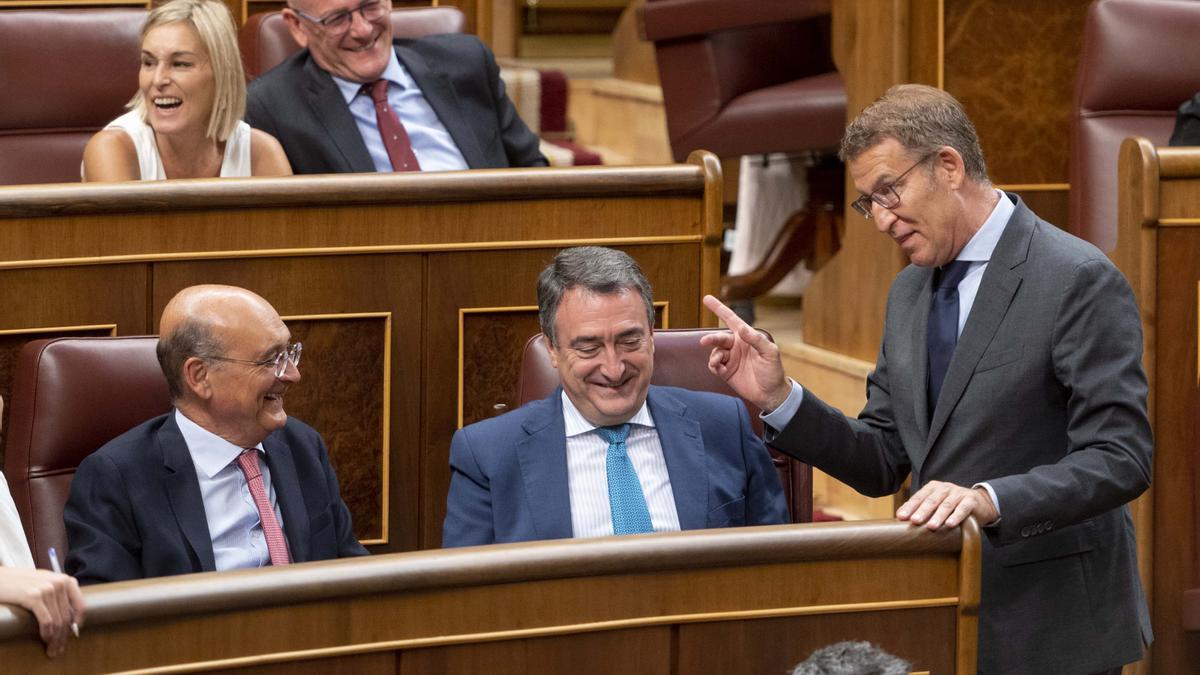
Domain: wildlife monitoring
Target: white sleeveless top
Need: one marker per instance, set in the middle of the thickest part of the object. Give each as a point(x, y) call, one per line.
point(14, 549)
point(237, 149)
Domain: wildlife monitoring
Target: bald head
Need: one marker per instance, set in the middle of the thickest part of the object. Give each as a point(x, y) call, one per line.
point(218, 347)
point(200, 321)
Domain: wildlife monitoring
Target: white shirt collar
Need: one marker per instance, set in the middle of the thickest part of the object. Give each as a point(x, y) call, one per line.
point(210, 453)
point(394, 73)
point(983, 243)
point(577, 424)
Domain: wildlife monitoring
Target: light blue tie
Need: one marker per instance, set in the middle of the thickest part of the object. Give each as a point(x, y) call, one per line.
point(629, 512)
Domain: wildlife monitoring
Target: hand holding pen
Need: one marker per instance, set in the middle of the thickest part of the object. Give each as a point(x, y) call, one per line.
point(52, 597)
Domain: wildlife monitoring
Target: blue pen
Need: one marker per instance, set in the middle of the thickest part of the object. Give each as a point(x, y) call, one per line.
point(57, 569)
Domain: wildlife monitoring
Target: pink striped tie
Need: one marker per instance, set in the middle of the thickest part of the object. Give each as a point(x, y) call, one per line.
point(276, 544)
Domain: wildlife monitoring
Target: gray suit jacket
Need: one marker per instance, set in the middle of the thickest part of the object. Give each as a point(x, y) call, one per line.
point(299, 104)
point(1045, 399)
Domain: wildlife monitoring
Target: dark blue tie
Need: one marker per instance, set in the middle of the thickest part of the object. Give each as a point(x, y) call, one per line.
point(943, 325)
point(629, 512)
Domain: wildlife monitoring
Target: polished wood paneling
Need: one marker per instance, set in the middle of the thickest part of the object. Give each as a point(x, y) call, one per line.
point(1012, 65)
point(674, 272)
point(342, 388)
point(491, 343)
point(652, 603)
point(777, 645)
point(1158, 249)
point(645, 651)
point(346, 369)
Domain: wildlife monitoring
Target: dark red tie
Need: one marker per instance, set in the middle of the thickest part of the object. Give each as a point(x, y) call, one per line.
point(395, 138)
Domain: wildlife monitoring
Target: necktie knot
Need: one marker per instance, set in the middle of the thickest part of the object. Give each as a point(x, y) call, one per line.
point(951, 275)
point(248, 462)
point(614, 434)
point(377, 90)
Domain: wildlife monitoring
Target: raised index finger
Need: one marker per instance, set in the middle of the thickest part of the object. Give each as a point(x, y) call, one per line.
point(731, 319)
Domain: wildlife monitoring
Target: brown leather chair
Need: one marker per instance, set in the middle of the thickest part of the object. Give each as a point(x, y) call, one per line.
point(1137, 65)
point(265, 40)
point(64, 74)
point(747, 78)
point(70, 396)
point(679, 361)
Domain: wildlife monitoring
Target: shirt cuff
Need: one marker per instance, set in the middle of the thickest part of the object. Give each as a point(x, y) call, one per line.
point(995, 503)
point(778, 418)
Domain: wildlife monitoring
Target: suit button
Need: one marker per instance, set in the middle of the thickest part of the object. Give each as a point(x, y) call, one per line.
point(1049, 525)
point(1025, 531)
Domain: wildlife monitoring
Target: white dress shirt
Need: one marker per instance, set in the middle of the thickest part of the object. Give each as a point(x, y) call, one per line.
point(978, 251)
point(14, 548)
point(431, 143)
point(233, 523)
point(587, 473)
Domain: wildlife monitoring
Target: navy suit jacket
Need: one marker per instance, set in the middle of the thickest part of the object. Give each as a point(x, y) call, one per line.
point(135, 509)
point(509, 474)
point(298, 103)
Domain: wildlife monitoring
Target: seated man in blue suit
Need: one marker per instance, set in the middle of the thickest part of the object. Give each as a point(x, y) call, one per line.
point(224, 481)
point(606, 453)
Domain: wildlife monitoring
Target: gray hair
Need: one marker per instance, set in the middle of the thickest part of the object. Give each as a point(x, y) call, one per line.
point(852, 658)
point(193, 337)
point(599, 270)
point(922, 119)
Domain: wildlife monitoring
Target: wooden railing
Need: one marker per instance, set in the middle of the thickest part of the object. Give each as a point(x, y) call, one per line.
point(754, 600)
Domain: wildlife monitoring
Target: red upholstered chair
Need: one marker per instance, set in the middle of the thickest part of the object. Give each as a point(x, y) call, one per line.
point(747, 78)
point(64, 74)
point(1137, 65)
point(265, 41)
point(70, 396)
point(679, 361)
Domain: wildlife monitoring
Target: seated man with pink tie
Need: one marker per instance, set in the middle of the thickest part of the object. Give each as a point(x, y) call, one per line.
point(224, 481)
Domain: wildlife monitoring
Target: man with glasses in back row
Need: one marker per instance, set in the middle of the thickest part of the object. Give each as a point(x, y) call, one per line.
point(354, 100)
point(1009, 385)
point(225, 480)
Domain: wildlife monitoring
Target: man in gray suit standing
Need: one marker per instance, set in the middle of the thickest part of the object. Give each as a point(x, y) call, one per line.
point(1009, 384)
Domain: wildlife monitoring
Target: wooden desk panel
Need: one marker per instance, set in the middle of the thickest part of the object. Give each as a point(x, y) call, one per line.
point(375, 269)
point(1158, 249)
point(673, 602)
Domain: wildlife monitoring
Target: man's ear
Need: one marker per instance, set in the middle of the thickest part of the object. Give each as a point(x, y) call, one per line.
point(951, 163)
point(195, 378)
point(293, 23)
point(551, 351)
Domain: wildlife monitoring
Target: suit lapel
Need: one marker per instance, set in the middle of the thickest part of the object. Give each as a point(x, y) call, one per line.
point(183, 491)
point(440, 94)
point(542, 455)
point(331, 110)
point(286, 483)
point(683, 450)
point(920, 357)
point(996, 291)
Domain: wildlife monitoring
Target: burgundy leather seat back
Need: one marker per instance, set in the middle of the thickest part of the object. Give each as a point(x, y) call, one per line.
point(1138, 64)
point(70, 396)
point(64, 74)
point(679, 361)
point(747, 77)
point(265, 41)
